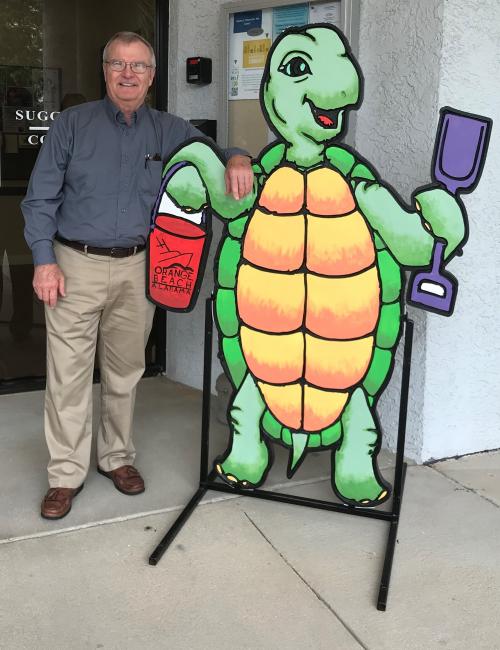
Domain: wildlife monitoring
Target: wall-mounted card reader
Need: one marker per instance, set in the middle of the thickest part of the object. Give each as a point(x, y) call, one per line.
point(198, 70)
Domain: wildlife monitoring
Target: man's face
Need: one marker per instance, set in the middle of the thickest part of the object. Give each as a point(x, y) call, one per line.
point(128, 89)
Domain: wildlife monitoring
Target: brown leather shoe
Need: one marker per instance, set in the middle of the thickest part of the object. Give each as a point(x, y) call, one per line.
point(57, 502)
point(126, 479)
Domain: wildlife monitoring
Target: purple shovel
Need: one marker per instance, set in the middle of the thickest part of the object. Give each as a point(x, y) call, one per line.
point(459, 156)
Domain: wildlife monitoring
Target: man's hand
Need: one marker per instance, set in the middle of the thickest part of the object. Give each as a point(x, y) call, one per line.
point(239, 176)
point(48, 283)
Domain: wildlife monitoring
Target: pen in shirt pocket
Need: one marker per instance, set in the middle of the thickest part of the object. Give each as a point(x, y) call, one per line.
point(155, 157)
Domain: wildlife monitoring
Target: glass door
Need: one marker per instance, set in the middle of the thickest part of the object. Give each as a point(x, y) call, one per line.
point(50, 59)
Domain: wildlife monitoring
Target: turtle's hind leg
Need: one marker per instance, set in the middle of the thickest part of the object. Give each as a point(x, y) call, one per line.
point(246, 461)
point(355, 475)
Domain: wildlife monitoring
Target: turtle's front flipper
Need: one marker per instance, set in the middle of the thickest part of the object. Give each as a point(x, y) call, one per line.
point(203, 181)
point(186, 189)
point(405, 232)
point(246, 462)
point(355, 476)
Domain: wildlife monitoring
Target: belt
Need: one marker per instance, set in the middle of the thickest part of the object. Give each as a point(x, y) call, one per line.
point(94, 250)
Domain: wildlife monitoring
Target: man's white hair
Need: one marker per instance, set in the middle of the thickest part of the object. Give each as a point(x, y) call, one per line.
point(128, 37)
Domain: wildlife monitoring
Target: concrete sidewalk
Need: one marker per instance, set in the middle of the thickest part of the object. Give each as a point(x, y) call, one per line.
point(243, 573)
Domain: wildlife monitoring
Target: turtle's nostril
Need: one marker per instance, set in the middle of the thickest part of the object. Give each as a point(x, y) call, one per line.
point(343, 93)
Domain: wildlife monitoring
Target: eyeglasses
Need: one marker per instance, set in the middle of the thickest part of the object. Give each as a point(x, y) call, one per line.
point(139, 67)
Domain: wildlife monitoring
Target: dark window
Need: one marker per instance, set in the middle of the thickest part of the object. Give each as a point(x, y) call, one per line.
point(50, 59)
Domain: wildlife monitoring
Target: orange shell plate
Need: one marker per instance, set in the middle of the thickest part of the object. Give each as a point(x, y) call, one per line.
point(308, 296)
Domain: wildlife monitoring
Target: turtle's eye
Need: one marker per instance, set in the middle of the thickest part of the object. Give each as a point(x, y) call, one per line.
point(295, 67)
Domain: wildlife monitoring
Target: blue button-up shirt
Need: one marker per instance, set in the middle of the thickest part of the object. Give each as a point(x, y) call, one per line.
point(94, 180)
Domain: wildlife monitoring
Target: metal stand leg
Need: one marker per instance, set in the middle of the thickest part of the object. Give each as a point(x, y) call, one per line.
point(210, 482)
point(400, 472)
point(157, 554)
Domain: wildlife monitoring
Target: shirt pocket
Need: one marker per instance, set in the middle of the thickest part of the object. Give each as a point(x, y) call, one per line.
point(151, 179)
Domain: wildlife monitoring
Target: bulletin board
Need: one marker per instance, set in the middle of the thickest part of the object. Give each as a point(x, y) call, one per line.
point(249, 29)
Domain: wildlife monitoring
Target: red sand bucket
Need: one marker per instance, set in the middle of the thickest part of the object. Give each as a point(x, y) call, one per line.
point(177, 253)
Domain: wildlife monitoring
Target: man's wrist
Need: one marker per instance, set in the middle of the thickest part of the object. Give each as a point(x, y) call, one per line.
point(236, 151)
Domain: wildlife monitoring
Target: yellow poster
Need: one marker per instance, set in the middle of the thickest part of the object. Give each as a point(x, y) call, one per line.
point(255, 52)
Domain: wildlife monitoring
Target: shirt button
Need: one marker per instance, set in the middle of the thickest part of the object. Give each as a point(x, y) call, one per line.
point(124, 209)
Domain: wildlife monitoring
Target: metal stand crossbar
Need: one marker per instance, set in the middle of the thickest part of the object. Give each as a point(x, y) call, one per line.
point(209, 481)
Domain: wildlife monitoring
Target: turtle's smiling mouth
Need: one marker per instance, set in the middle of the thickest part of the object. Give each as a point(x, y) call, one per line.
point(326, 119)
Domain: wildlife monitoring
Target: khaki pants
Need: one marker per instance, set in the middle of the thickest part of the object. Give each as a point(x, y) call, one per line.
point(105, 306)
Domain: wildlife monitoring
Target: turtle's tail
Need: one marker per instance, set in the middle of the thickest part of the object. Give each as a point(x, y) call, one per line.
point(297, 452)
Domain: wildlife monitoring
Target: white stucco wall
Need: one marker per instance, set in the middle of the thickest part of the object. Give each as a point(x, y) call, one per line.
point(399, 52)
point(462, 390)
point(194, 31)
point(416, 55)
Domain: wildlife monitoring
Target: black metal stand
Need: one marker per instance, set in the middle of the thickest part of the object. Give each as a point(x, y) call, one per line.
point(210, 482)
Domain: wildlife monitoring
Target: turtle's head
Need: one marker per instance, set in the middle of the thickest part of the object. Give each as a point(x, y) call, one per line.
point(310, 80)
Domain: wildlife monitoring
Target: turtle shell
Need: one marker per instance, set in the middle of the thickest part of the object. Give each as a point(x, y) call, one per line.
point(308, 295)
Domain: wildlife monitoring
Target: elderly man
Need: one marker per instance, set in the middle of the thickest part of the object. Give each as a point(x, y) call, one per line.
point(87, 213)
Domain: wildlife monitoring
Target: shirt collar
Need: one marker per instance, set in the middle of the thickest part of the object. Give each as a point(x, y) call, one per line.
point(117, 116)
